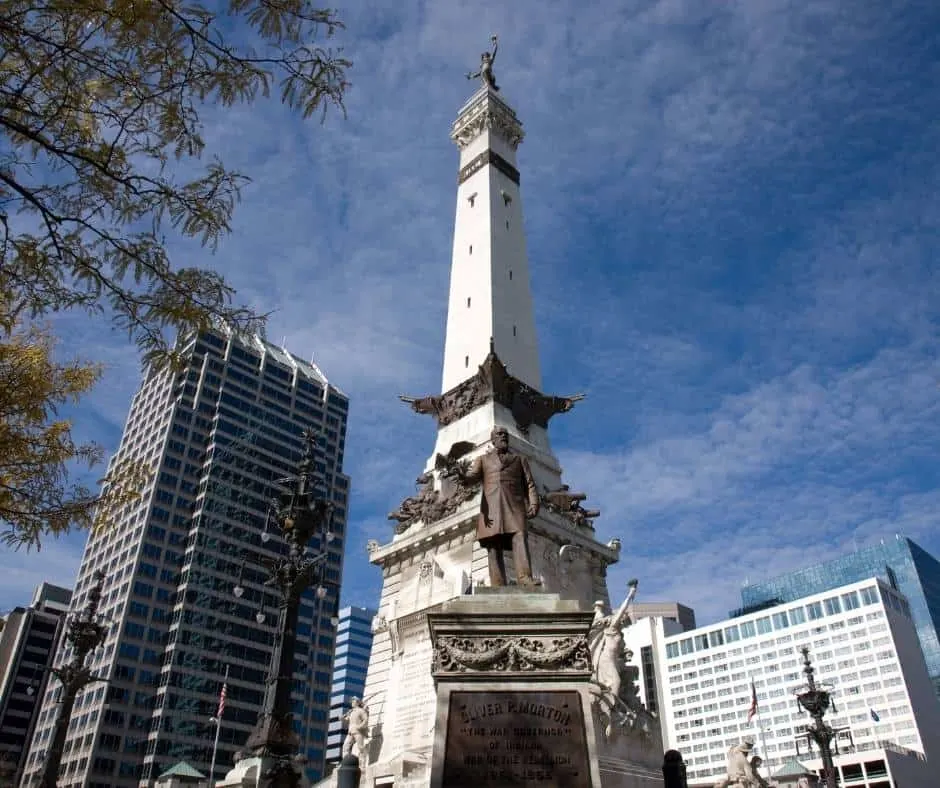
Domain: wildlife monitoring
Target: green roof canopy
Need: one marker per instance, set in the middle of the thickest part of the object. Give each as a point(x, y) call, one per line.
point(183, 769)
point(792, 768)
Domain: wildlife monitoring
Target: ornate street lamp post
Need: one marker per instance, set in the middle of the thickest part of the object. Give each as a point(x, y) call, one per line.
point(816, 700)
point(301, 513)
point(84, 632)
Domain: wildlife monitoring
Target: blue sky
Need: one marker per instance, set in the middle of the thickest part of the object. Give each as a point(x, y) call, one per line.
point(732, 217)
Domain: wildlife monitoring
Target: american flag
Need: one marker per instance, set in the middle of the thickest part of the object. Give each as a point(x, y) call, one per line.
point(218, 714)
point(753, 710)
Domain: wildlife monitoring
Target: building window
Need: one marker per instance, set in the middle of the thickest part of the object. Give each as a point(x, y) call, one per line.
point(832, 606)
point(869, 595)
point(850, 601)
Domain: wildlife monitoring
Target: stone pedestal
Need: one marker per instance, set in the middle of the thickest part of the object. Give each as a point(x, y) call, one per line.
point(512, 669)
point(246, 772)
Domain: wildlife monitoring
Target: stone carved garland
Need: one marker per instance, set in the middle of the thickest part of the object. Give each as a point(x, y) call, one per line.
point(458, 654)
point(493, 382)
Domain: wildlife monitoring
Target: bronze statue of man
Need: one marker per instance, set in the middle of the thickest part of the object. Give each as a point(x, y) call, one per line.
point(509, 499)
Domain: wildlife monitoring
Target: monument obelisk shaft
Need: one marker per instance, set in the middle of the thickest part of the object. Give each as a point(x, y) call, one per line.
point(491, 378)
point(490, 295)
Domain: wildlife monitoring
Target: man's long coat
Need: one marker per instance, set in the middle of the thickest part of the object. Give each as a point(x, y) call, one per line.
point(508, 490)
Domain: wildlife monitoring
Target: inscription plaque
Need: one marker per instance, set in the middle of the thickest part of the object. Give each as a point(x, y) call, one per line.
point(512, 739)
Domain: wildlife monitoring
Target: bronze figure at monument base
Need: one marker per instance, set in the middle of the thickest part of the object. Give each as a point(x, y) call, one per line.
point(273, 736)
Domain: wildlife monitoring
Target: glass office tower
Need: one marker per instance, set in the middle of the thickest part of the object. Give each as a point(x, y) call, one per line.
point(898, 561)
point(220, 435)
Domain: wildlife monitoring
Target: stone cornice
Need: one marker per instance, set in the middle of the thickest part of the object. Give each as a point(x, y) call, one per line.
point(462, 523)
point(486, 112)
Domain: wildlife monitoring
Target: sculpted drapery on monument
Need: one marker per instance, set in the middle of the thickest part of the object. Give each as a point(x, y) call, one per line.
point(485, 72)
point(509, 498)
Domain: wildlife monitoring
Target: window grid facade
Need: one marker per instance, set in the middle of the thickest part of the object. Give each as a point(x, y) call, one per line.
point(856, 636)
point(899, 562)
point(217, 435)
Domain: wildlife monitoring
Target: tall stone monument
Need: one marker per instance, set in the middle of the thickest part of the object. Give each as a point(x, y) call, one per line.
point(493, 551)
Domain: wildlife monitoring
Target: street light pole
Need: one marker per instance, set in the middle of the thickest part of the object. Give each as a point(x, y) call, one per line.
point(303, 511)
point(817, 701)
point(85, 633)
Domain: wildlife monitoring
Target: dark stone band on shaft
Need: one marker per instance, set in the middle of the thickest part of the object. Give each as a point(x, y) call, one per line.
point(488, 157)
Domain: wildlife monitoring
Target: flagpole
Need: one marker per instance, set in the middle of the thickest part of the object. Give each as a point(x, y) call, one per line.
point(760, 723)
point(763, 740)
point(218, 726)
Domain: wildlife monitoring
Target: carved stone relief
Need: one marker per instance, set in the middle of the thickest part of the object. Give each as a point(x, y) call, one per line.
point(425, 571)
point(458, 654)
point(431, 505)
point(379, 624)
point(493, 382)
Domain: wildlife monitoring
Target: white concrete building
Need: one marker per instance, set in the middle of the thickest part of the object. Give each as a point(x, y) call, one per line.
point(645, 638)
point(862, 641)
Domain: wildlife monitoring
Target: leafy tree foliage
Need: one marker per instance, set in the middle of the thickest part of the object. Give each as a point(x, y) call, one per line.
point(35, 495)
point(101, 154)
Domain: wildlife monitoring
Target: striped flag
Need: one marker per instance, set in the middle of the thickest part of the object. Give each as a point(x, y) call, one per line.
point(753, 710)
point(218, 714)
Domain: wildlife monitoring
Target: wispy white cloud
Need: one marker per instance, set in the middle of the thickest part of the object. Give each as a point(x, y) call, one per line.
point(731, 220)
point(21, 573)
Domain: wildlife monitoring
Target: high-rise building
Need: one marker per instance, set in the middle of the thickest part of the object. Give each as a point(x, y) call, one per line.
point(862, 641)
point(27, 645)
point(218, 434)
point(644, 638)
point(681, 614)
point(353, 646)
point(901, 563)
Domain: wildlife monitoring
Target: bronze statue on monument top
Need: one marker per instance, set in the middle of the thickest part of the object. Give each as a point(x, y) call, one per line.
point(485, 73)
